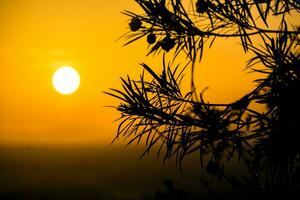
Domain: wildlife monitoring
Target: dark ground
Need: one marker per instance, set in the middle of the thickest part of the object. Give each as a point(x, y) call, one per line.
point(32, 172)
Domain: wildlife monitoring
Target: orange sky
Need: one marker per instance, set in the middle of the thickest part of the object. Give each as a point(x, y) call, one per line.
point(38, 36)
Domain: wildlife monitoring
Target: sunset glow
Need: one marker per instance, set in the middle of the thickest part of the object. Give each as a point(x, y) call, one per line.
point(39, 37)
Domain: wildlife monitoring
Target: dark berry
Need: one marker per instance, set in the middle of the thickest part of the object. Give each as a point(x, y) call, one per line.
point(167, 43)
point(151, 38)
point(169, 184)
point(213, 168)
point(135, 24)
point(201, 6)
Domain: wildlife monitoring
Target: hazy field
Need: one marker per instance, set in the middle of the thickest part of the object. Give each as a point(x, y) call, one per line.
point(98, 172)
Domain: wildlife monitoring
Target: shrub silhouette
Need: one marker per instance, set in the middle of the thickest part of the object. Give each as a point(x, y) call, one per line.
point(171, 193)
point(156, 110)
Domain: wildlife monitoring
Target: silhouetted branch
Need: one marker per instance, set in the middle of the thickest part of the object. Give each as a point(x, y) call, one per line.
point(157, 112)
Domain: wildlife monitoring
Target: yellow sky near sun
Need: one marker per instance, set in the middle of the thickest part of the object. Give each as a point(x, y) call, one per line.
point(38, 36)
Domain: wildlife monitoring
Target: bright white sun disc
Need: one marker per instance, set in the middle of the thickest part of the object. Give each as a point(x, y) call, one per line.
point(66, 80)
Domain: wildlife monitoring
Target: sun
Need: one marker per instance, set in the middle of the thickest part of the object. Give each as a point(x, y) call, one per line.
point(66, 80)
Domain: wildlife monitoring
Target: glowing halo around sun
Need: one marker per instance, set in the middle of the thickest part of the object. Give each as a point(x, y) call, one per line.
point(66, 80)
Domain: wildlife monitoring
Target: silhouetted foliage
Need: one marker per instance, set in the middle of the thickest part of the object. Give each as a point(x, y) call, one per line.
point(171, 193)
point(157, 110)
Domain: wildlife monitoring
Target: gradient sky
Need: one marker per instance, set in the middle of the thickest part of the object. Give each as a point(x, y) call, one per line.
point(39, 36)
